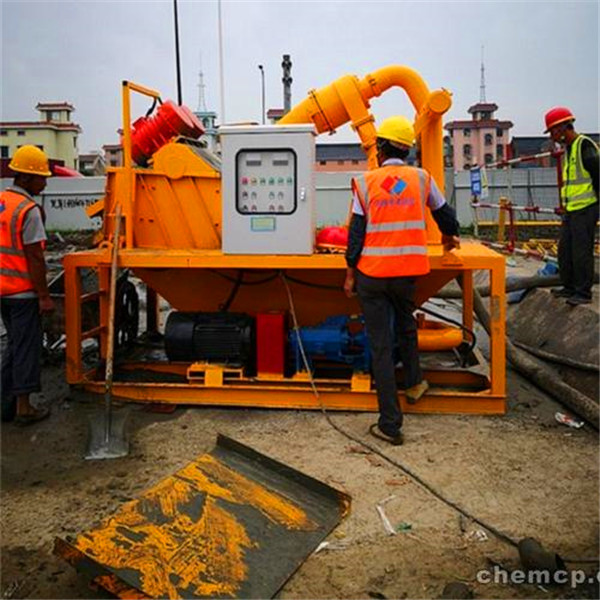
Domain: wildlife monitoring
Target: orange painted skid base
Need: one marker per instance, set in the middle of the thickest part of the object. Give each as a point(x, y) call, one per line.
point(264, 397)
point(200, 280)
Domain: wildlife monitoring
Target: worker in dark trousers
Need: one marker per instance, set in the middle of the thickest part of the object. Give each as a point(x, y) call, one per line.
point(580, 202)
point(387, 252)
point(23, 288)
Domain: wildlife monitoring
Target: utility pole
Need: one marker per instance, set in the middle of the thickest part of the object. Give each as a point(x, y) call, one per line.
point(221, 67)
point(177, 61)
point(262, 78)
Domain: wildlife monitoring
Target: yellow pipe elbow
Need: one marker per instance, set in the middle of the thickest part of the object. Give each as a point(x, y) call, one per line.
point(374, 84)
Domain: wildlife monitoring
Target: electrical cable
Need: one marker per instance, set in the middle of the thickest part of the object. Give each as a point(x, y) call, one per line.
point(424, 484)
point(320, 286)
point(233, 293)
point(254, 282)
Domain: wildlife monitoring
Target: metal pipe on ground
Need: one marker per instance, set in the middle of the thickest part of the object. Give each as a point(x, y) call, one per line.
point(541, 376)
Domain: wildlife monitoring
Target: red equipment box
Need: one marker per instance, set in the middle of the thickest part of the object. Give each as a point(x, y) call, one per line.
point(271, 338)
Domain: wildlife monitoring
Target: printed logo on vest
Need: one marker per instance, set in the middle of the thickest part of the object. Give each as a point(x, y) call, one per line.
point(393, 185)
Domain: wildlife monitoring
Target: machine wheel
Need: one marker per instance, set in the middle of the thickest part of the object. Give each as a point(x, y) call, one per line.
point(127, 316)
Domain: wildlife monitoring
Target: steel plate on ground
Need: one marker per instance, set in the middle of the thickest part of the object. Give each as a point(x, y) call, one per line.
point(232, 524)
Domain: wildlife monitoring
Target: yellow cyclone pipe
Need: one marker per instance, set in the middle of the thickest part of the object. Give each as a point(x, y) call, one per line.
point(347, 99)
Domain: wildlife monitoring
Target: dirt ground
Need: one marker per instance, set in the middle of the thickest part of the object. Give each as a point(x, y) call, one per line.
point(522, 473)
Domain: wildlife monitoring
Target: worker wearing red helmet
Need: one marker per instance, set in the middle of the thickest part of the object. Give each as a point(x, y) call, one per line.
point(580, 200)
point(23, 288)
point(387, 252)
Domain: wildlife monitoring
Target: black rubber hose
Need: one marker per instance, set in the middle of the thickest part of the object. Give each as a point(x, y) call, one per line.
point(561, 360)
point(522, 283)
point(540, 375)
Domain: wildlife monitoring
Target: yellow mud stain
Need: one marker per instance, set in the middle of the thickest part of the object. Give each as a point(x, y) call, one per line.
point(220, 481)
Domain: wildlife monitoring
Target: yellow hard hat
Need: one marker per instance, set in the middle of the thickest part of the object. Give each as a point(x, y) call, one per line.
point(398, 130)
point(31, 160)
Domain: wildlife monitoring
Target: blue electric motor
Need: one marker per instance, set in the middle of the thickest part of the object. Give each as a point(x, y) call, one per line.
point(340, 339)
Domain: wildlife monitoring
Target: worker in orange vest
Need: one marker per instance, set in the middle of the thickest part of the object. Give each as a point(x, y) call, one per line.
point(23, 288)
point(387, 252)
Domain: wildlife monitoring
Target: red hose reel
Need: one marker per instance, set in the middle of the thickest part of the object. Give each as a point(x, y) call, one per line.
point(148, 134)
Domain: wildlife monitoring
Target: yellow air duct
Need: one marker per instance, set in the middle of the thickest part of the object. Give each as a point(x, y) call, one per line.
point(347, 100)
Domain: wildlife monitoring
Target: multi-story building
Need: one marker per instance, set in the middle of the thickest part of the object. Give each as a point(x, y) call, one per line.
point(92, 164)
point(479, 141)
point(113, 155)
point(54, 133)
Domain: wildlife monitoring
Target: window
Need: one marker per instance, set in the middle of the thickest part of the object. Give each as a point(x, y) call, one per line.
point(354, 162)
point(74, 142)
point(322, 162)
point(20, 132)
point(3, 151)
point(114, 162)
point(489, 140)
point(3, 132)
point(489, 158)
point(466, 166)
point(500, 151)
point(486, 115)
point(499, 132)
point(467, 132)
point(467, 149)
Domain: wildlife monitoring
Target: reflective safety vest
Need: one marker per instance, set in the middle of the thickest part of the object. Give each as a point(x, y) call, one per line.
point(393, 200)
point(577, 190)
point(14, 274)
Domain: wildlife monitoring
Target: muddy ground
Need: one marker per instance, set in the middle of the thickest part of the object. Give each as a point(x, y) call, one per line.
point(522, 473)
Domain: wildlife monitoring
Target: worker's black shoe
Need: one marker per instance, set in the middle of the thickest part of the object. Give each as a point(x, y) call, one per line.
point(395, 440)
point(576, 300)
point(561, 293)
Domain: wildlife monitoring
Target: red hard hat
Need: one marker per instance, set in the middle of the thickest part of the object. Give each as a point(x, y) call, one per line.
point(332, 237)
point(556, 115)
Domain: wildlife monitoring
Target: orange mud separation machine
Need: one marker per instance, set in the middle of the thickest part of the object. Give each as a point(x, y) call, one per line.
point(228, 242)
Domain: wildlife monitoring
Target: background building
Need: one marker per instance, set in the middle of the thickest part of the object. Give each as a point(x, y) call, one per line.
point(113, 155)
point(54, 133)
point(480, 140)
point(92, 164)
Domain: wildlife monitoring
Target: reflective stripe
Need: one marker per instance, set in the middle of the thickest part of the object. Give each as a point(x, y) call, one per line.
point(393, 250)
point(582, 196)
point(394, 226)
point(13, 222)
point(580, 181)
point(423, 187)
point(11, 251)
point(14, 273)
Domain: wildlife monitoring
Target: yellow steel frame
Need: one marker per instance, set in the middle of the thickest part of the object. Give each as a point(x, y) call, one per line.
point(470, 392)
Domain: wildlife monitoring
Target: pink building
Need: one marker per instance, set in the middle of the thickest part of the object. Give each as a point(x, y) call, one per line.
point(482, 140)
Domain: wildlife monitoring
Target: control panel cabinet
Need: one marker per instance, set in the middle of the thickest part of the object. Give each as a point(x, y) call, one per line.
point(268, 189)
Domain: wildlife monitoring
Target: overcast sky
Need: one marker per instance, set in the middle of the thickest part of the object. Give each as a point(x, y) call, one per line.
point(537, 54)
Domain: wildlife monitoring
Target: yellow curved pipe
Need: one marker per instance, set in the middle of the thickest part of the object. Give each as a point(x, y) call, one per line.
point(347, 100)
point(437, 337)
